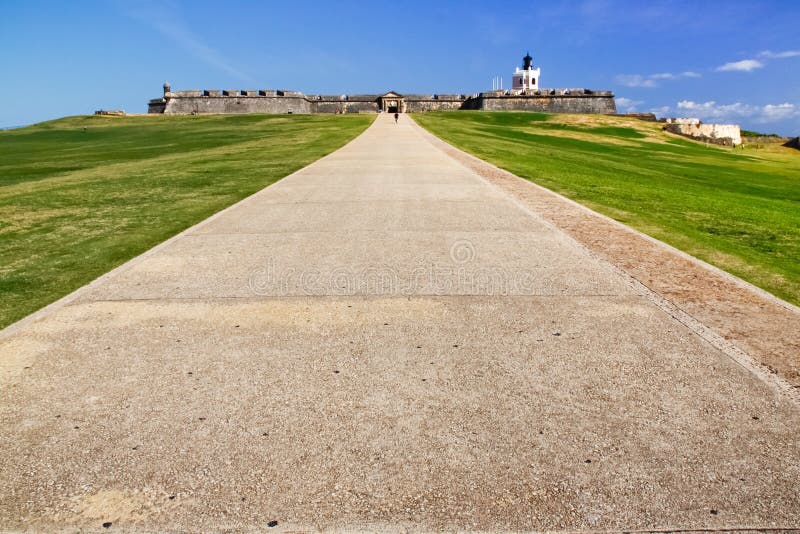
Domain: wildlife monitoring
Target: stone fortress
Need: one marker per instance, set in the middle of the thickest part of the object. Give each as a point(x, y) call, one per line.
point(525, 95)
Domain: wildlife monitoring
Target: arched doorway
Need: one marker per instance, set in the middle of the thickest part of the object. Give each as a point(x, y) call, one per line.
point(392, 102)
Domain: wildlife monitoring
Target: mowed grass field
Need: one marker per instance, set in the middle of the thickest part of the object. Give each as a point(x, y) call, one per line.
point(736, 209)
point(81, 195)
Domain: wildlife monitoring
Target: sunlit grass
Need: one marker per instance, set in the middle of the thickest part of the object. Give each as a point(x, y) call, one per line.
point(81, 195)
point(737, 209)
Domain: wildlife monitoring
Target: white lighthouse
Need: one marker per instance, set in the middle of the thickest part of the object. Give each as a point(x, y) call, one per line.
point(527, 78)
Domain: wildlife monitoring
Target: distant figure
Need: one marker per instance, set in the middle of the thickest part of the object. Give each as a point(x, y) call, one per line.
point(396, 117)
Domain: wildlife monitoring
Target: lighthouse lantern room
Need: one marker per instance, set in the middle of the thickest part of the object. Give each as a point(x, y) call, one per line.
point(527, 78)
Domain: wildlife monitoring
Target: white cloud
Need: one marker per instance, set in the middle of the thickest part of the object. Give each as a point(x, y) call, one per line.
point(635, 80)
point(745, 65)
point(779, 55)
point(628, 104)
point(639, 80)
point(749, 65)
point(760, 114)
point(771, 113)
point(713, 110)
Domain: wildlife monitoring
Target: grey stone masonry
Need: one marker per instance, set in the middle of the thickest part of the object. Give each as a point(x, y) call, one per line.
point(549, 100)
point(284, 101)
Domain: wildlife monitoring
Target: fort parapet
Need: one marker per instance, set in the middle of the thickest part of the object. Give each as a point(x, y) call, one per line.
point(284, 101)
point(547, 100)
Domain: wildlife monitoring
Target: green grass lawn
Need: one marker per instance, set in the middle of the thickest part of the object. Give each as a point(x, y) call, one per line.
point(739, 210)
point(81, 195)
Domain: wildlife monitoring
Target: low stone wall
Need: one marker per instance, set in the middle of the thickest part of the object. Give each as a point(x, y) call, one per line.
point(719, 134)
point(648, 117)
point(763, 139)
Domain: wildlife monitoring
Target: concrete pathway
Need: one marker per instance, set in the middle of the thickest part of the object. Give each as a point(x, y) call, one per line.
point(382, 341)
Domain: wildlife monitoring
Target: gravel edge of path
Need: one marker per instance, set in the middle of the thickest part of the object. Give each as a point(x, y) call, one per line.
point(750, 325)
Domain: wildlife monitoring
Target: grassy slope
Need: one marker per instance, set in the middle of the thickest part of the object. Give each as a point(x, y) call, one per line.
point(74, 204)
point(739, 210)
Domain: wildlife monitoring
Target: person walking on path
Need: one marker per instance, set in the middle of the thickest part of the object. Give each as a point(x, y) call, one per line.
point(396, 117)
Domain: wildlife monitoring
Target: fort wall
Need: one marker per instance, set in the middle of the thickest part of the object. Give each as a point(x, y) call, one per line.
point(282, 101)
point(233, 103)
point(549, 101)
point(421, 103)
point(344, 104)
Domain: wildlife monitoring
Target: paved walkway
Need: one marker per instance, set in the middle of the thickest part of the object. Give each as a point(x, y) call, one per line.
point(383, 340)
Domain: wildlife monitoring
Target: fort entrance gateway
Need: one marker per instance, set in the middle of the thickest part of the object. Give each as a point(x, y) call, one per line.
point(392, 102)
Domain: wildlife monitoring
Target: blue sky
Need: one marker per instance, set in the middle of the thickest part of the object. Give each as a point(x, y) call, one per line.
point(731, 61)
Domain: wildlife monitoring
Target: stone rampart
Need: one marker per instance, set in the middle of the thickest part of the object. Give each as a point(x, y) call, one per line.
point(284, 101)
point(421, 103)
point(191, 92)
point(344, 106)
point(548, 103)
point(236, 103)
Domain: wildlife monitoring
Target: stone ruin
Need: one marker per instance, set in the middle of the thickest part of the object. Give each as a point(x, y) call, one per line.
point(718, 134)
